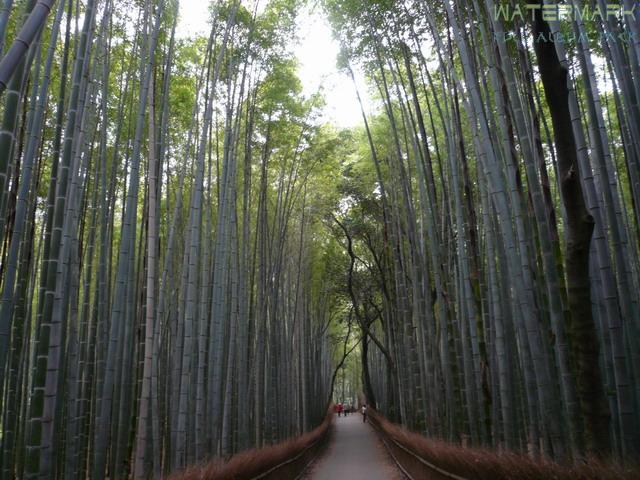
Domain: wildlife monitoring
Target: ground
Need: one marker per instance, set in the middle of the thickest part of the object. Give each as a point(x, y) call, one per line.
point(355, 453)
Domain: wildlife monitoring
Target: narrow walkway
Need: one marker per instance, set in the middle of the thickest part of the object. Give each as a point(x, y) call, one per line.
point(355, 453)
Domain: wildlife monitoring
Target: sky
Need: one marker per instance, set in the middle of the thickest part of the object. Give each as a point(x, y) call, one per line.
point(316, 51)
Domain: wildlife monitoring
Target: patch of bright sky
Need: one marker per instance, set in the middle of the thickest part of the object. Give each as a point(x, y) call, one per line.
point(316, 52)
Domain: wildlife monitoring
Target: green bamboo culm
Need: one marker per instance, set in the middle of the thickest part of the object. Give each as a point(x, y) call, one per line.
point(23, 41)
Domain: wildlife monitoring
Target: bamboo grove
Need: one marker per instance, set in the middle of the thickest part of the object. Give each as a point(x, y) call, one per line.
point(493, 221)
point(193, 262)
point(162, 296)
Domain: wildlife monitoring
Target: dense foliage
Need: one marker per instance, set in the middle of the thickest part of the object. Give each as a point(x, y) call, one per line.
point(163, 295)
point(494, 241)
point(193, 264)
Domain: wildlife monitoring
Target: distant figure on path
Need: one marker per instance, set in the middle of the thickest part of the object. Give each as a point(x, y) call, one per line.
point(346, 410)
point(364, 413)
point(339, 409)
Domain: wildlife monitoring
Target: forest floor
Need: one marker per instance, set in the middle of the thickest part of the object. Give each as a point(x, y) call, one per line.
point(355, 453)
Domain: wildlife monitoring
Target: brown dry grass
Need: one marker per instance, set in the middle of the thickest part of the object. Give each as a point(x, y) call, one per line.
point(486, 464)
point(251, 463)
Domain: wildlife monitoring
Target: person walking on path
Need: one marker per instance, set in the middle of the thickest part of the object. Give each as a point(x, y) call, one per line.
point(339, 409)
point(355, 452)
point(364, 413)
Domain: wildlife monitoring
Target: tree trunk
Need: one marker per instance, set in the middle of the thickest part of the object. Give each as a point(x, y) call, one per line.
point(579, 229)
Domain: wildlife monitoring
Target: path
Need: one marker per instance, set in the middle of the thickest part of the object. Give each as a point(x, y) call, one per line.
point(355, 453)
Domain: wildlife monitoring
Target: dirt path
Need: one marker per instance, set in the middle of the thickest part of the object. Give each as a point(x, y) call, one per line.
point(355, 453)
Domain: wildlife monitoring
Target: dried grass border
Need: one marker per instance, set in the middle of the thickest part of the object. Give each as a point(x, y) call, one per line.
point(486, 464)
point(271, 461)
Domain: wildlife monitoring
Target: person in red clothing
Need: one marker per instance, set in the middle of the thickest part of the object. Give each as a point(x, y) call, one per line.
point(339, 409)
